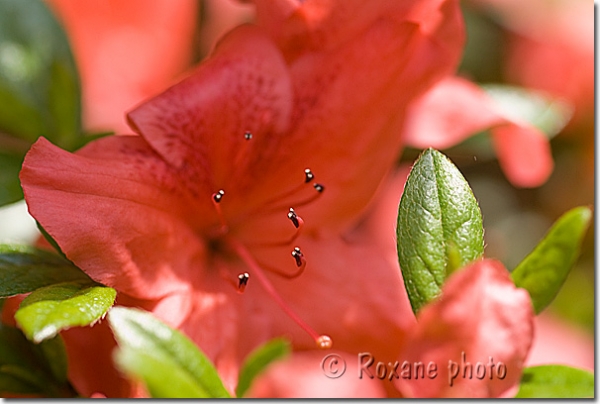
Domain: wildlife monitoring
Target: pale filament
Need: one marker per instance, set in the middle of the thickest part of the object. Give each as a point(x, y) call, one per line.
point(298, 224)
point(239, 160)
point(300, 263)
point(278, 202)
point(244, 254)
point(216, 200)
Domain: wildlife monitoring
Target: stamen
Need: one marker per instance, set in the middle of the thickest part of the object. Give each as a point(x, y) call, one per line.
point(217, 196)
point(320, 188)
point(243, 281)
point(308, 175)
point(247, 135)
point(322, 341)
point(300, 263)
point(299, 257)
point(294, 218)
point(216, 199)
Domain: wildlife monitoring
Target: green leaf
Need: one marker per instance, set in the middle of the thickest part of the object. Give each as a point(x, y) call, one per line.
point(162, 377)
point(10, 187)
point(550, 115)
point(257, 362)
point(24, 269)
point(440, 227)
point(169, 364)
point(556, 381)
point(545, 269)
point(18, 380)
point(48, 310)
point(31, 369)
point(55, 354)
point(39, 84)
point(50, 240)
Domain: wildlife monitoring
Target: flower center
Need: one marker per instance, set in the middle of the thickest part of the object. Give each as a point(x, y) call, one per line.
point(223, 239)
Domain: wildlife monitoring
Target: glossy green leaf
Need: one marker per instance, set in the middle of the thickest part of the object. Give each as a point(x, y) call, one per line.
point(545, 269)
point(439, 226)
point(24, 269)
point(39, 84)
point(556, 381)
point(31, 369)
point(48, 310)
point(257, 362)
point(153, 352)
point(550, 115)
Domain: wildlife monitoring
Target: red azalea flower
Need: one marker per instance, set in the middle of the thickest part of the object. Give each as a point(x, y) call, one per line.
point(174, 217)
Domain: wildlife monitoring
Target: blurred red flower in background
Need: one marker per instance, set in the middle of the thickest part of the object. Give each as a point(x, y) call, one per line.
point(126, 51)
point(551, 47)
point(455, 109)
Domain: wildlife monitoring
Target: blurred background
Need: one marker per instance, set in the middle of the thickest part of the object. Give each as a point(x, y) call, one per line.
point(544, 45)
point(122, 52)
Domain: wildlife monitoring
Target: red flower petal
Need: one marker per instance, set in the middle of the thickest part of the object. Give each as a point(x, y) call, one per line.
point(305, 375)
point(91, 369)
point(198, 125)
point(481, 317)
point(349, 112)
point(117, 211)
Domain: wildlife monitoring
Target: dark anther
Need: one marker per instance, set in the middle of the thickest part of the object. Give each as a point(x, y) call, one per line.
point(218, 196)
point(319, 187)
point(243, 281)
point(297, 254)
point(247, 135)
point(293, 217)
point(308, 176)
